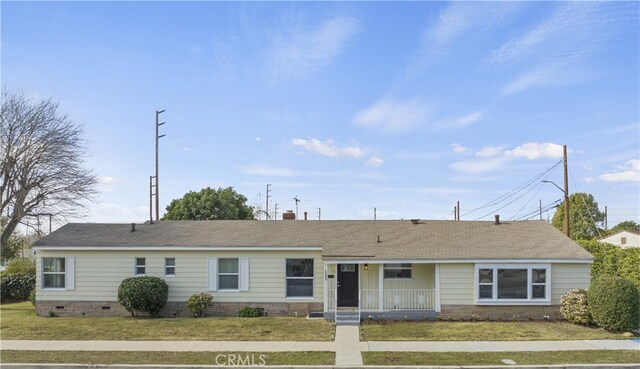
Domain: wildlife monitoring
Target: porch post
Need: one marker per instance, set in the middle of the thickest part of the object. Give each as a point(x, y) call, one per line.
point(325, 286)
point(437, 283)
point(381, 287)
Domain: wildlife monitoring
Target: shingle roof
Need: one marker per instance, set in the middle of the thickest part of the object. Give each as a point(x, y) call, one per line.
point(399, 239)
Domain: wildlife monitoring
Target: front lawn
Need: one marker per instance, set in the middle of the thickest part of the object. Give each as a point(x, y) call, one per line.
point(168, 358)
point(20, 322)
point(495, 358)
point(482, 331)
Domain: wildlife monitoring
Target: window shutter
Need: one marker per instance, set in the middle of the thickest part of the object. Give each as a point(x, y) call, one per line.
point(244, 274)
point(70, 271)
point(213, 274)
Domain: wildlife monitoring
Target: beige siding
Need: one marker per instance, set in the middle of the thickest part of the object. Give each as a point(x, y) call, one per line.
point(99, 273)
point(456, 284)
point(565, 277)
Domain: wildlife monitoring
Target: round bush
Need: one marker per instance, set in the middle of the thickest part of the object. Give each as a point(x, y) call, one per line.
point(21, 267)
point(16, 287)
point(199, 303)
point(143, 294)
point(574, 307)
point(614, 304)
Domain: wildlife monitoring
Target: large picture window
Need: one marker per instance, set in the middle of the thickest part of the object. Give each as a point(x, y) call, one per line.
point(299, 277)
point(53, 273)
point(512, 283)
point(397, 271)
point(228, 274)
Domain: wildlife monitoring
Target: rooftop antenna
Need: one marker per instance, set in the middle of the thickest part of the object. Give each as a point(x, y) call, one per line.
point(297, 200)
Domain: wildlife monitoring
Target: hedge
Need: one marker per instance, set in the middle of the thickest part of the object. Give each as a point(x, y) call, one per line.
point(16, 287)
point(614, 304)
point(611, 260)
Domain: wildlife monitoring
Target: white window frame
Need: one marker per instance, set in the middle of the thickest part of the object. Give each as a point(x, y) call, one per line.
point(286, 280)
point(166, 267)
point(136, 266)
point(529, 300)
point(397, 266)
point(55, 273)
point(237, 274)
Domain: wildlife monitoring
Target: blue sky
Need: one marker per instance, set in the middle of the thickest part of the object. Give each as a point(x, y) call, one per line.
point(405, 106)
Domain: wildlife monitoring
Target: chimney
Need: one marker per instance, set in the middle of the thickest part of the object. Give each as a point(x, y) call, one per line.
point(305, 215)
point(289, 215)
point(497, 219)
point(133, 227)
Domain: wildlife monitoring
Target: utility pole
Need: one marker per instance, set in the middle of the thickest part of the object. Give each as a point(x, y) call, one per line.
point(458, 207)
point(319, 213)
point(151, 199)
point(540, 208)
point(158, 137)
point(566, 192)
point(375, 213)
point(268, 195)
point(275, 212)
point(297, 200)
point(455, 213)
point(606, 221)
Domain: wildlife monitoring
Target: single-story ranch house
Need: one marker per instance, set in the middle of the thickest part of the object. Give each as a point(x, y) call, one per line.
point(398, 269)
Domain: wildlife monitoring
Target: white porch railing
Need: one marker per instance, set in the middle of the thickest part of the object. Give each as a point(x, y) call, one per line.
point(332, 302)
point(399, 299)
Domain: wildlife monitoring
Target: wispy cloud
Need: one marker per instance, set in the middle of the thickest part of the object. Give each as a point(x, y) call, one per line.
point(108, 184)
point(328, 148)
point(629, 172)
point(460, 122)
point(459, 149)
point(375, 161)
point(393, 116)
point(493, 158)
point(489, 151)
point(534, 150)
point(555, 74)
point(297, 54)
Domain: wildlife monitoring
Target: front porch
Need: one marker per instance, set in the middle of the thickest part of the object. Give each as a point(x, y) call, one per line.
point(378, 290)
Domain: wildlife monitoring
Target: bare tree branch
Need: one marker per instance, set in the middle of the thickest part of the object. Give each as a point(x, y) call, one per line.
point(41, 162)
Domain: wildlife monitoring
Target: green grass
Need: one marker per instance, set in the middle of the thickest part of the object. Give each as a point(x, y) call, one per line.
point(169, 358)
point(19, 322)
point(482, 331)
point(495, 358)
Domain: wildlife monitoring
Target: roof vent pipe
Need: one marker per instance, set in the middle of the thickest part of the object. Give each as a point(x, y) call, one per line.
point(305, 215)
point(133, 227)
point(497, 219)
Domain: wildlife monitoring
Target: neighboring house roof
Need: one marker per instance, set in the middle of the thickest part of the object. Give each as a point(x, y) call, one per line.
point(621, 231)
point(339, 239)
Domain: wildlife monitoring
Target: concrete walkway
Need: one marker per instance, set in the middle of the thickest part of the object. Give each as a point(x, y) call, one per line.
point(341, 344)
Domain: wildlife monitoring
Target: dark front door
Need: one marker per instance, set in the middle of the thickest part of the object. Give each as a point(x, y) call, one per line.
point(347, 285)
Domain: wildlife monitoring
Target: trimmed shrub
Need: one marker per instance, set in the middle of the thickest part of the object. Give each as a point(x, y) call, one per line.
point(21, 267)
point(251, 312)
point(614, 304)
point(143, 294)
point(198, 303)
point(16, 287)
point(574, 307)
point(629, 265)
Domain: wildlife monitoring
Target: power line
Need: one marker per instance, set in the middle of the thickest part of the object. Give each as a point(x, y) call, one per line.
point(511, 193)
point(540, 185)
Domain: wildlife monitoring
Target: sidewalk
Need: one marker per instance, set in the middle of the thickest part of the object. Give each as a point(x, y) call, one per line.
point(337, 346)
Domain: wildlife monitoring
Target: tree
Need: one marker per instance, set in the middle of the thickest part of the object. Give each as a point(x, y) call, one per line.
point(209, 204)
point(585, 219)
point(41, 163)
point(628, 225)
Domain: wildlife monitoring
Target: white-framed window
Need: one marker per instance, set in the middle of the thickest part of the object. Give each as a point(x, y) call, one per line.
point(299, 275)
point(170, 267)
point(397, 271)
point(58, 273)
point(53, 273)
point(141, 266)
point(623, 240)
point(512, 284)
point(228, 274)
